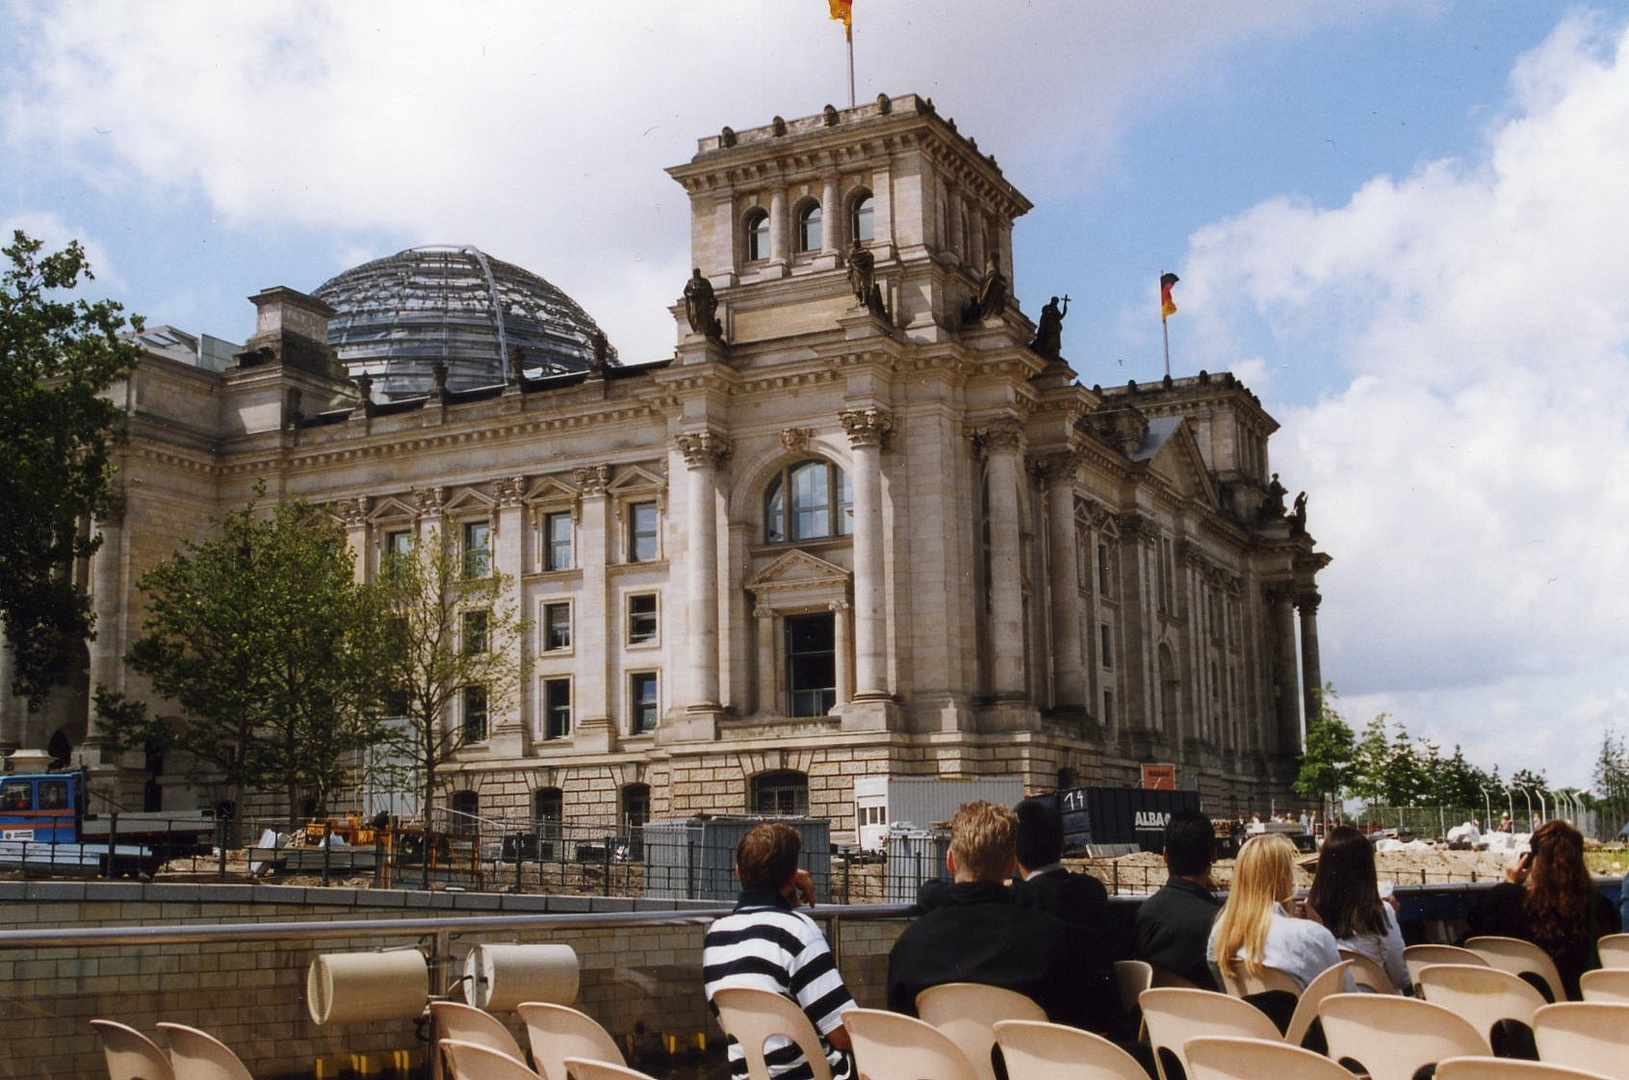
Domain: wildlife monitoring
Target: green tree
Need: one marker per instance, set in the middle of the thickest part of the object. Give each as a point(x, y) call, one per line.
point(1327, 762)
point(456, 656)
point(1611, 781)
point(1369, 761)
point(58, 357)
point(274, 654)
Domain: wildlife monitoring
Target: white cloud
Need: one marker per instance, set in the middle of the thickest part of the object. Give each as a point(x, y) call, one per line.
point(1471, 477)
point(56, 234)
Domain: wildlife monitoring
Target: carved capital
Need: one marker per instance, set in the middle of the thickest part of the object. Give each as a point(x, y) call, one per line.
point(591, 480)
point(352, 513)
point(1279, 592)
point(999, 436)
point(429, 500)
point(1055, 468)
point(866, 427)
point(509, 490)
point(704, 449)
point(1307, 603)
point(795, 439)
point(111, 515)
point(1134, 526)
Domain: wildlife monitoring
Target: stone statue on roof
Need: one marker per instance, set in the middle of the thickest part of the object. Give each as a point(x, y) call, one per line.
point(701, 306)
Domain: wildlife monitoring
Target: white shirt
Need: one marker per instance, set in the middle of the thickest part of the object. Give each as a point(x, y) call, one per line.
point(1385, 949)
point(1300, 948)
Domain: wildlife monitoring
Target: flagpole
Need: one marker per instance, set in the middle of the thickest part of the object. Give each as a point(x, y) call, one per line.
point(1165, 329)
point(850, 36)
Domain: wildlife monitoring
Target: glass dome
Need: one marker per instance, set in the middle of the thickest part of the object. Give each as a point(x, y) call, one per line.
point(399, 315)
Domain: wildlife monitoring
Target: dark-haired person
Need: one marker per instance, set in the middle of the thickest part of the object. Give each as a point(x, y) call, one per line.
point(1172, 927)
point(1547, 898)
point(1346, 895)
point(766, 944)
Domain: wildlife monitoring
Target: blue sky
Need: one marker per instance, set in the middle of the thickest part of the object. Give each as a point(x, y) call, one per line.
point(1398, 223)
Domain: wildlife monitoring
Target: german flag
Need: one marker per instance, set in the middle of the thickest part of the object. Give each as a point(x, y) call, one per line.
point(1167, 305)
point(843, 12)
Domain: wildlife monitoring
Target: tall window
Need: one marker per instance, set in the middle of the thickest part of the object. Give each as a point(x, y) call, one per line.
point(466, 807)
point(642, 621)
point(556, 626)
point(475, 632)
point(642, 707)
point(642, 546)
point(557, 541)
point(811, 664)
point(757, 236)
point(860, 220)
point(556, 708)
point(474, 714)
point(809, 227)
point(548, 812)
point(808, 500)
point(1106, 644)
point(1103, 569)
point(477, 548)
point(783, 792)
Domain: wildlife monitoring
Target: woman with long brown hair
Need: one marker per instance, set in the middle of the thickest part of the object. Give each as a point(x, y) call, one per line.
point(1346, 895)
point(1547, 898)
point(1255, 928)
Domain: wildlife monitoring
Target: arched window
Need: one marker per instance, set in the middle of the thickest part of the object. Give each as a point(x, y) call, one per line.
point(809, 227)
point(808, 500)
point(860, 219)
point(757, 235)
point(548, 811)
point(781, 793)
point(466, 807)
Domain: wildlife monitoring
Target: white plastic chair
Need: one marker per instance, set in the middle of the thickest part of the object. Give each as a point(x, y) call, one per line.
point(1492, 1068)
point(466, 1023)
point(1605, 984)
point(130, 1054)
point(1368, 973)
point(557, 1032)
point(588, 1069)
point(753, 1017)
point(1391, 1037)
point(891, 1046)
point(198, 1055)
point(477, 1061)
point(1416, 957)
point(1584, 1035)
point(1614, 949)
point(1217, 1057)
point(1174, 1016)
point(1483, 995)
point(1037, 1050)
point(1521, 958)
point(967, 1012)
point(1331, 980)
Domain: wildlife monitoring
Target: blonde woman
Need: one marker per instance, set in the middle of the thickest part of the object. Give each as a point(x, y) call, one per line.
point(1255, 929)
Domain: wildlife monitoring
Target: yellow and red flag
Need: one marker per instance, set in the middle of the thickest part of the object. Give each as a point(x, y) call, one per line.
point(843, 12)
point(1167, 305)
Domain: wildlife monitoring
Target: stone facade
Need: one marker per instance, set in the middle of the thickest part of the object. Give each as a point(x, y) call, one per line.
point(842, 536)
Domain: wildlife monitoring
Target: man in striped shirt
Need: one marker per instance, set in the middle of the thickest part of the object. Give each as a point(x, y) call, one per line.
point(767, 944)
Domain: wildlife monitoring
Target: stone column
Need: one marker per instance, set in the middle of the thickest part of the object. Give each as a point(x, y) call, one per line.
point(768, 662)
point(830, 215)
point(353, 515)
point(108, 593)
point(779, 226)
point(840, 631)
point(703, 452)
point(1001, 441)
point(1057, 472)
point(1281, 600)
point(508, 551)
point(590, 696)
point(1312, 682)
point(867, 428)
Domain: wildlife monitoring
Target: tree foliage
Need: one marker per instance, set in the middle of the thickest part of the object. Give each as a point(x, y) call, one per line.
point(1326, 765)
point(58, 357)
point(275, 656)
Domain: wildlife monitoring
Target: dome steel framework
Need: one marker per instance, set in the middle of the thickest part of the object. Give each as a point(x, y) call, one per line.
point(401, 315)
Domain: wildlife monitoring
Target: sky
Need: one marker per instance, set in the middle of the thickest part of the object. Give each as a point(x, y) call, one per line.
point(1395, 221)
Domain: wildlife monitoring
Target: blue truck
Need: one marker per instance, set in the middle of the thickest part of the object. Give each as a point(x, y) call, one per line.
point(47, 831)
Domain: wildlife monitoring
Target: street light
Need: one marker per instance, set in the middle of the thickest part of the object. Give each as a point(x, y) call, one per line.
point(1529, 799)
point(1487, 804)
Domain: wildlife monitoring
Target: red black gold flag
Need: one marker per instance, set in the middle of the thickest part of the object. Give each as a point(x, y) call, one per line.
point(1167, 305)
point(843, 12)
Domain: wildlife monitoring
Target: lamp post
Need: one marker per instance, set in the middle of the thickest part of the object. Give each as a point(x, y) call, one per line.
point(1487, 804)
point(1529, 799)
point(1544, 812)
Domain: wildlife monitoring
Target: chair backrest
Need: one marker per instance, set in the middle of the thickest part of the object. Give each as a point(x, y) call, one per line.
point(1416, 957)
point(967, 1012)
point(753, 1017)
point(130, 1054)
point(557, 1032)
point(1037, 1050)
point(1520, 958)
point(891, 1046)
point(1131, 978)
point(1331, 980)
point(1584, 1035)
point(1605, 984)
point(1174, 1016)
point(1494, 1068)
point(1241, 983)
point(1614, 950)
point(455, 1020)
point(197, 1055)
point(589, 1069)
point(1219, 1057)
point(1368, 973)
point(477, 1061)
point(1392, 1037)
point(1482, 995)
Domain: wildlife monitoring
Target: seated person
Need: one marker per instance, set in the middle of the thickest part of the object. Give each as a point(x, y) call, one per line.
point(1172, 927)
point(975, 932)
point(1081, 900)
point(766, 944)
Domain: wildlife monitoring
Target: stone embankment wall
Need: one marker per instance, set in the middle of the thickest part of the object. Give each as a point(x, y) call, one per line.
point(642, 982)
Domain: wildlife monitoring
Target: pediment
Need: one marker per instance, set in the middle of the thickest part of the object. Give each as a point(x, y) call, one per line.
point(469, 500)
point(1173, 455)
point(392, 509)
point(636, 478)
point(551, 489)
point(799, 570)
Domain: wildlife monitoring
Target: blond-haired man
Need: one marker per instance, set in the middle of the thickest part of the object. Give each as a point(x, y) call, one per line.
point(976, 933)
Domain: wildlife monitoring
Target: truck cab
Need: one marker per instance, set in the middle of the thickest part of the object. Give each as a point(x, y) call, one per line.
point(42, 807)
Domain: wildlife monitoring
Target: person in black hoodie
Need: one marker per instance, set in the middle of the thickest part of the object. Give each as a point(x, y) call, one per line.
point(976, 932)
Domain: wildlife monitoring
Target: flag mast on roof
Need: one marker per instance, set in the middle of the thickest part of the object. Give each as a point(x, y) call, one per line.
point(1167, 309)
point(843, 11)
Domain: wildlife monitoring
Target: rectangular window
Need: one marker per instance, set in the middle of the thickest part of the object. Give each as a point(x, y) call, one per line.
point(642, 546)
point(475, 634)
point(556, 708)
point(642, 707)
point(1103, 569)
point(1106, 644)
point(398, 545)
point(474, 714)
point(1108, 708)
point(556, 626)
point(557, 537)
point(642, 621)
point(811, 664)
point(477, 548)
